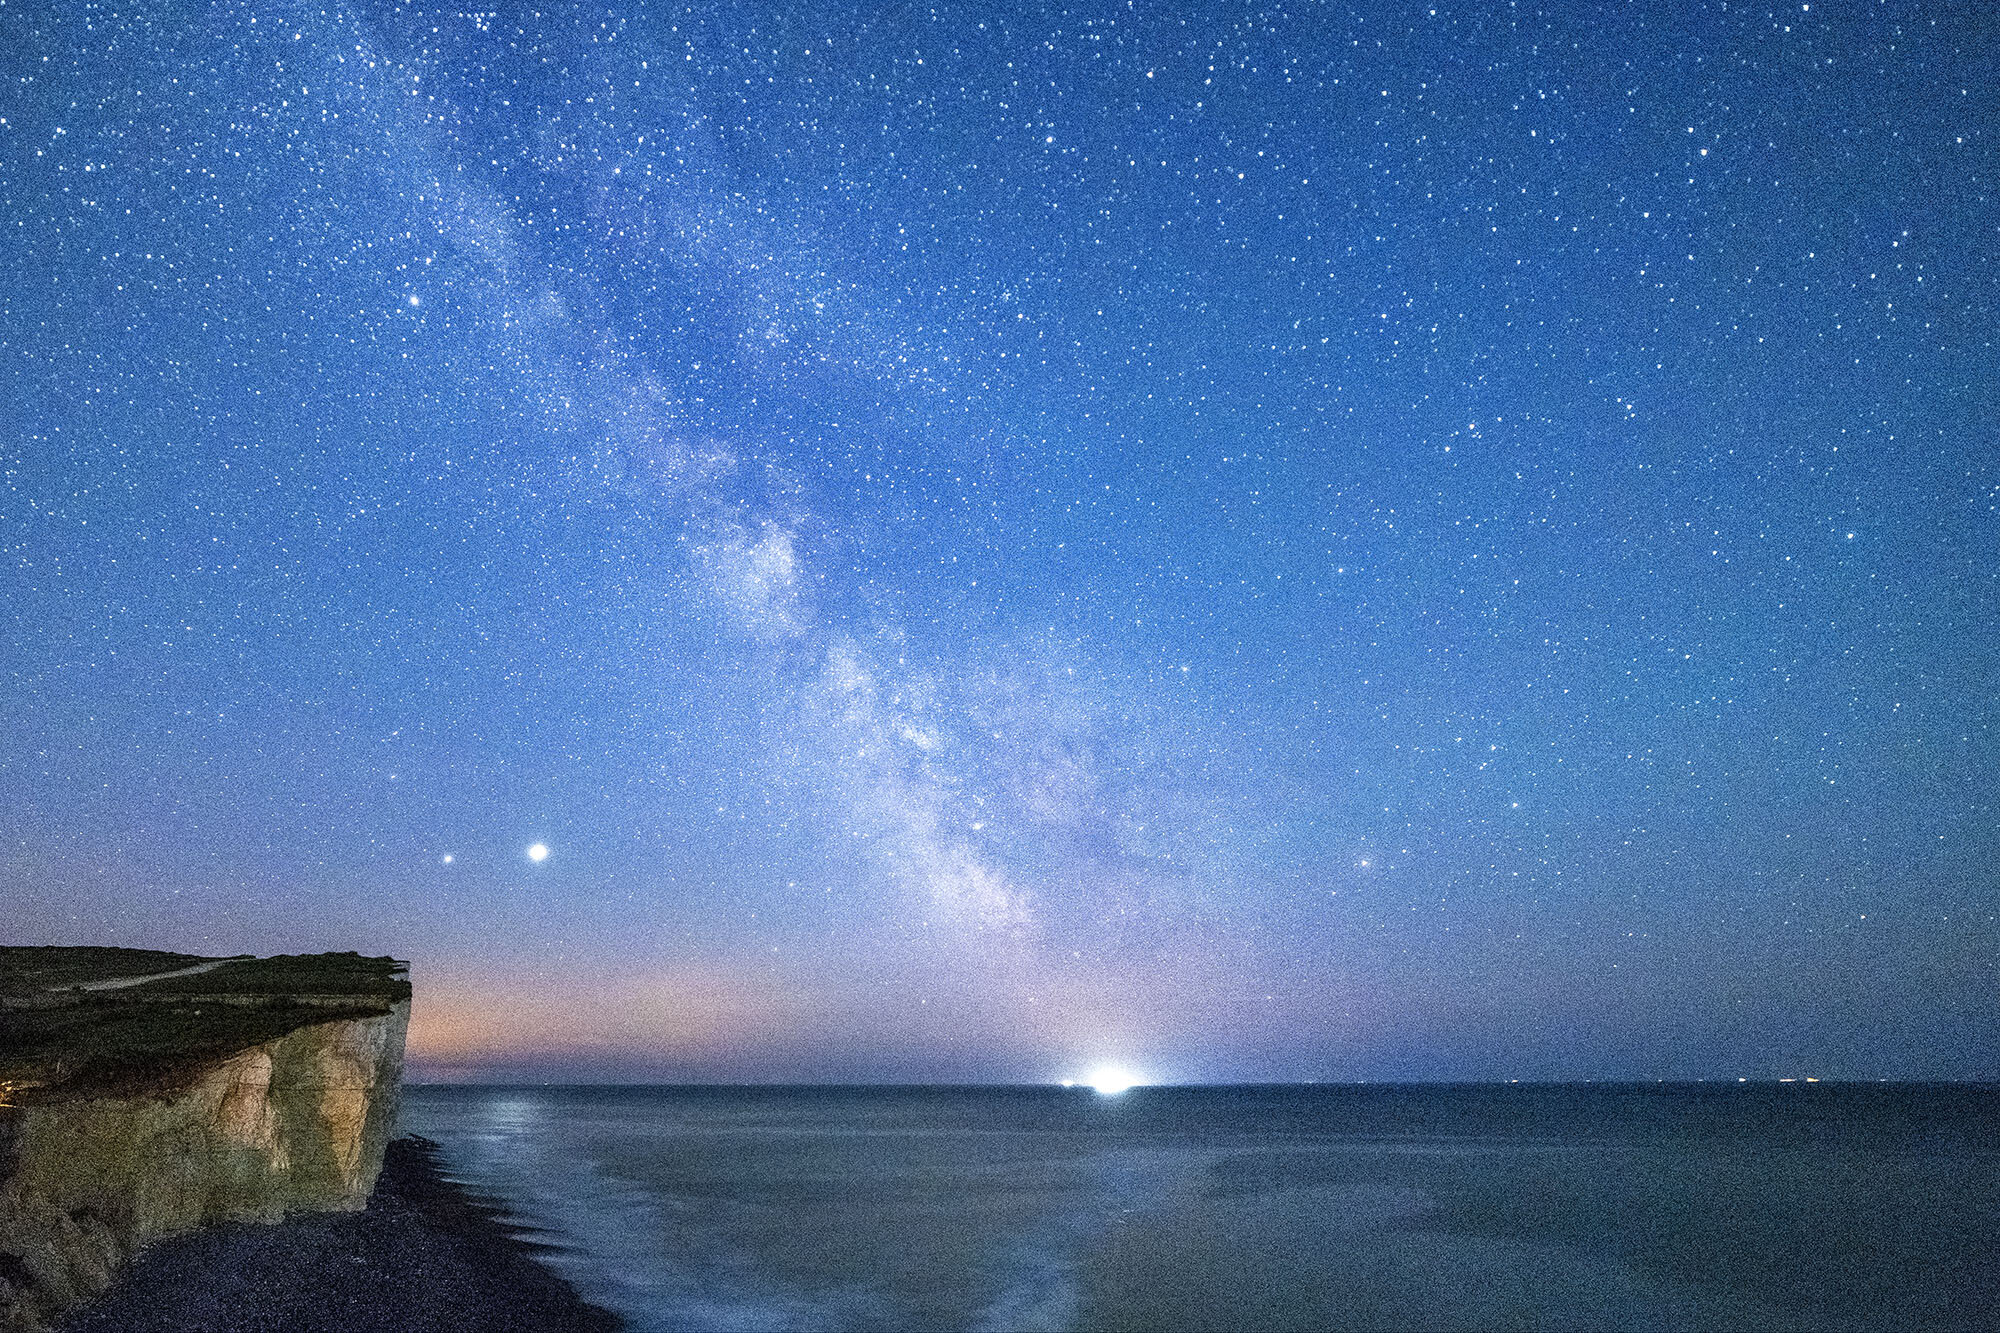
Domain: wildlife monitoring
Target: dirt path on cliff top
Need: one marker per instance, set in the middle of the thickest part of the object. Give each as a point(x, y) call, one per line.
point(121, 983)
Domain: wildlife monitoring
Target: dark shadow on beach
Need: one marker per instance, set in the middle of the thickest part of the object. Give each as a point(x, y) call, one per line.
point(426, 1256)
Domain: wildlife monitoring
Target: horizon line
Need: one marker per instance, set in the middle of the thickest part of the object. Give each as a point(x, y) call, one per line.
point(1053, 1085)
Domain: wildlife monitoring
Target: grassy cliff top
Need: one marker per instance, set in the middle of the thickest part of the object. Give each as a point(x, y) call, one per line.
point(78, 1021)
point(28, 971)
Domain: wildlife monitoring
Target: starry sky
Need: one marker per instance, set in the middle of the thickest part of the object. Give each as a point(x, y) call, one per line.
point(1249, 541)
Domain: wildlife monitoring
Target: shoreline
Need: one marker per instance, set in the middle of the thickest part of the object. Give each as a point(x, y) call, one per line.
point(425, 1256)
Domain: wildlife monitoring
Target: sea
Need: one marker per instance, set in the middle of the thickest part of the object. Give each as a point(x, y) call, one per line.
point(1766, 1206)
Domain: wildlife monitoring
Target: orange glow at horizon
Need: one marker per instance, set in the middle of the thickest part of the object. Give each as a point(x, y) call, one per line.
point(692, 1012)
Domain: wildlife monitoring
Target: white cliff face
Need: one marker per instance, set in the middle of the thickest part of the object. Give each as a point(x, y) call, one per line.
point(297, 1123)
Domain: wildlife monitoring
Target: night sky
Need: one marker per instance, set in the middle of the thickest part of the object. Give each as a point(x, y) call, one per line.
point(1244, 541)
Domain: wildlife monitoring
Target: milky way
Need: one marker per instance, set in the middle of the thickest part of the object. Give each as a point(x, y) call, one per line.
point(1282, 542)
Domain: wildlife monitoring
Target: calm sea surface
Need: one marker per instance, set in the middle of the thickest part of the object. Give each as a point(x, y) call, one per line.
point(1797, 1206)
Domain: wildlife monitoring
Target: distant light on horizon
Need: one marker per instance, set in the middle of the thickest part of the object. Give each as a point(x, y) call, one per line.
point(1111, 1080)
point(538, 853)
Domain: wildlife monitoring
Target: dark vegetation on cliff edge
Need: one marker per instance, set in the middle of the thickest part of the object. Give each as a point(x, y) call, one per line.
point(58, 1039)
point(28, 972)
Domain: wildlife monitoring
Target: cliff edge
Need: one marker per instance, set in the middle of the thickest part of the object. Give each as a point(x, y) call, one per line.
point(145, 1094)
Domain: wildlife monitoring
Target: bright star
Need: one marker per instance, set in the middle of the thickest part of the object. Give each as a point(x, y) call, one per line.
point(538, 853)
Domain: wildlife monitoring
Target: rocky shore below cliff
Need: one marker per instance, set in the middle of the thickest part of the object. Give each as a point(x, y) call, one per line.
point(425, 1256)
point(145, 1095)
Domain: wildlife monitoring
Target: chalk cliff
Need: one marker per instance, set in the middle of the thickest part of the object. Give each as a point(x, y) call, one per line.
point(210, 1090)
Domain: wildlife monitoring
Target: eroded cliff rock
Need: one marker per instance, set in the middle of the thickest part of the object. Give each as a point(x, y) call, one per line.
point(233, 1090)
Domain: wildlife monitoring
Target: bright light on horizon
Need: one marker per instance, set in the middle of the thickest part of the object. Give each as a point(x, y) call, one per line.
point(1111, 1080)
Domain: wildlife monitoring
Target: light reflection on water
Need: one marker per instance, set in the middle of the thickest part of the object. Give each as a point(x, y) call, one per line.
point(1321, 1207)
